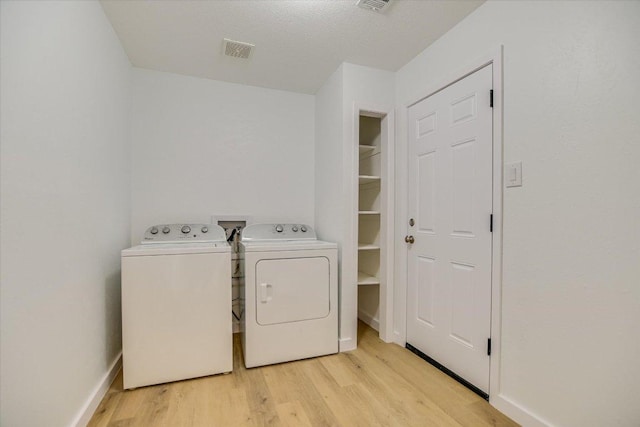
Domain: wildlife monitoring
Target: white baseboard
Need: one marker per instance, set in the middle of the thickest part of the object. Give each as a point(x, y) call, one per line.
point(517, 413)
point(369, 320)
point(397, 338)
point(94, 399)
point(347, 344)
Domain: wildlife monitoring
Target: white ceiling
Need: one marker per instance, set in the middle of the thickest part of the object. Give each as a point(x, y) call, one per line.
point(299, 43)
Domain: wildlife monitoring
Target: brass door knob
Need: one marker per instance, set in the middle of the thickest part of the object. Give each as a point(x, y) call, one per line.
point(409, 239)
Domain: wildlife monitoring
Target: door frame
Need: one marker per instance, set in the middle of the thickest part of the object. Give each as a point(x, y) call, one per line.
point(495, 58)
point(387, 139)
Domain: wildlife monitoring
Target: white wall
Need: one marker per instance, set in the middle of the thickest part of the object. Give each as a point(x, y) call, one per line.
point(329, 200)
point(203, 147)
point(349, 87)
point(65, 185)
point(329, 194)
point(571, 294)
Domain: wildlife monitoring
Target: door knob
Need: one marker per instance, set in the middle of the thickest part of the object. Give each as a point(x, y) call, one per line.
point(409, 239)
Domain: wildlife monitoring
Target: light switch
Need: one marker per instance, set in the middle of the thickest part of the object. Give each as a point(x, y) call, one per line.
point(513, 174)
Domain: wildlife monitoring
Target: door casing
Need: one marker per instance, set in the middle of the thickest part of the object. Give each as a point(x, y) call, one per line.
point(387, 272)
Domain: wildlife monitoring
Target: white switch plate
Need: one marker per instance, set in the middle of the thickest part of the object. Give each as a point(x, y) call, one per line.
point(513, 174)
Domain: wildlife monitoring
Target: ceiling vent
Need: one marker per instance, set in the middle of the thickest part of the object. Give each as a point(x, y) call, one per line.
point(238, 49)
point(374, 5)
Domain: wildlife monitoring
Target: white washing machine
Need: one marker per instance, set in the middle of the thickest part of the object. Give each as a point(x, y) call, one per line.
point(176, 305)
point(290, 294)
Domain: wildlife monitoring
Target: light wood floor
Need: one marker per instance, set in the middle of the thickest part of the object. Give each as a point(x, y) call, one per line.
point(378, 384)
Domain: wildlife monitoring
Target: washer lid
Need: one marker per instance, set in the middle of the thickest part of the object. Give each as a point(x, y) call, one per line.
point(176, 249)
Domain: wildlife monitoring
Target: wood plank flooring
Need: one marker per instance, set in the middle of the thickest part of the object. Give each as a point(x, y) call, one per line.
point(378, 384)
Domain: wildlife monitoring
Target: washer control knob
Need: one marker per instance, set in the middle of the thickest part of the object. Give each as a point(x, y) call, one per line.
point(294, 228)
point(303, 228)
point(185, 229)
point(204, 229)
point(154, 230)
point(166, 230)
point(279, 228)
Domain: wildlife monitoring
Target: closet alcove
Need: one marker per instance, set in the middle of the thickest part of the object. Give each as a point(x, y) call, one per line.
point(372, 261)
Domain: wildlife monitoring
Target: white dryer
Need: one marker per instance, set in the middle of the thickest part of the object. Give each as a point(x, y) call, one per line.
point(176, 305)
point(290, 294)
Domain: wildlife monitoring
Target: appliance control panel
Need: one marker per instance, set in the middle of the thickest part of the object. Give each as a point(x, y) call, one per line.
point(282, 231)
point(184, 233)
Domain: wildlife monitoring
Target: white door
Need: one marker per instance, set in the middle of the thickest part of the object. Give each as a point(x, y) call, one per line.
point(450, 201)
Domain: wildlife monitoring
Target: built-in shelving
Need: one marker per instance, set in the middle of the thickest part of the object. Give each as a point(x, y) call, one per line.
point(372, 216)
point(369, 201)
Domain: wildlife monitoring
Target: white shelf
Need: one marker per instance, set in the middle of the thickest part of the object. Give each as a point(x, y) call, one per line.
point(364, 149)
point(367, 179)
point(367, 247)
point(364, 279)
point(368, 212)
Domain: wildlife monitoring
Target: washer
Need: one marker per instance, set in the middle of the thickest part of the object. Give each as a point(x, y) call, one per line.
point(176, 305)
point(290, 294)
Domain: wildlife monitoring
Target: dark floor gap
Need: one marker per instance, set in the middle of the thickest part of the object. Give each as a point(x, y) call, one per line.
point(449, 372)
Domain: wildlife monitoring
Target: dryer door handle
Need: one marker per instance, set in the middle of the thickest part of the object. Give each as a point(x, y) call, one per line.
point(266, 291)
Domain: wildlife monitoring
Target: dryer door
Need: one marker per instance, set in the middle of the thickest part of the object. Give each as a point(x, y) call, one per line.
point(292, 289)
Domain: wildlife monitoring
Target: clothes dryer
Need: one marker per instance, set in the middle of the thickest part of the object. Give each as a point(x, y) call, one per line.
point(290, 295)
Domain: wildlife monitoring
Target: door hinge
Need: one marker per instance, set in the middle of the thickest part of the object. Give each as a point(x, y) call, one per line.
point(491, 98)
point(491, 223)
point(489, 347)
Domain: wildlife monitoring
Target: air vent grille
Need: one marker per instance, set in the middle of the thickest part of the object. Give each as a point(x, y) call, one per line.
point(237, 49)
point(374, 5)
